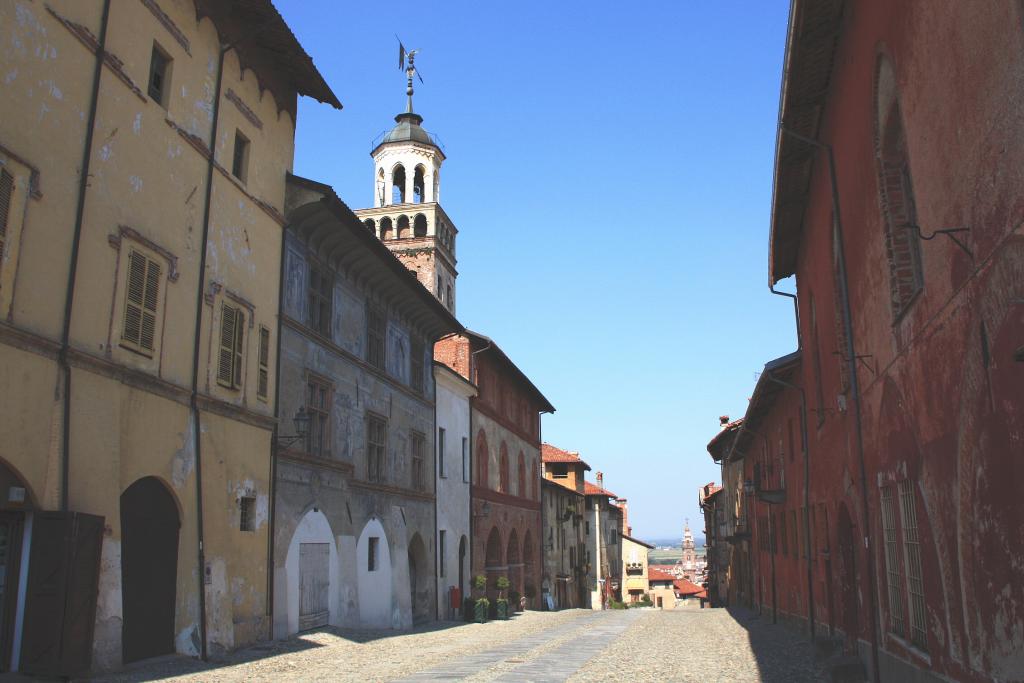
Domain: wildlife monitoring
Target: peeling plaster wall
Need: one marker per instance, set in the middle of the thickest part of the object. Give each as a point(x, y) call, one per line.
point(129, 415)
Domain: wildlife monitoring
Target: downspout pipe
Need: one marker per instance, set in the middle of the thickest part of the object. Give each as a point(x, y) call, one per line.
point(76, 240)
point(197, 441)
point(851, 360)
point(275, 434)
point(438, 456)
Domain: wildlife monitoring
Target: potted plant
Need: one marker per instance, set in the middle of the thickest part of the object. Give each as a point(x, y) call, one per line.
point(502, 585)
point(482, 604)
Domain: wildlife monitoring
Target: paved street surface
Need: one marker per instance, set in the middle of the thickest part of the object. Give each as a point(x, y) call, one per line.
point(574, 645)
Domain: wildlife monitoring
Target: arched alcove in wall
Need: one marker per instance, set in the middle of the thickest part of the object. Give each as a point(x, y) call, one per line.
point(419, 579)
point(373, 576)
point(312, 575)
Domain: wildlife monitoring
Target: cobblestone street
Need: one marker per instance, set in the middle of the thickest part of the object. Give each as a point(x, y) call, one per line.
point(689, 644)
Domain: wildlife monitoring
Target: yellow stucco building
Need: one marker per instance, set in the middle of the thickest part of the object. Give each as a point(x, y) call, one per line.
point(121, 235)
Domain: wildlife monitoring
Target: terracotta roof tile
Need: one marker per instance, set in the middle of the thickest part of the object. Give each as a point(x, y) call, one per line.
point(549, 453)
point(684, 587)
point(654, 574)
point(595, 490)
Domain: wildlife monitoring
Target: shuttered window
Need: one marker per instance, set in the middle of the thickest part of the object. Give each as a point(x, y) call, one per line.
point(138, 331)
point(263, 381)
point(6, 192)
point(419, 446)
point(229, 362)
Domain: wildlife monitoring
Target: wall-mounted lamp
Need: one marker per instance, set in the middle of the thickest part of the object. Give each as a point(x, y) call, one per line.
point(301, 422)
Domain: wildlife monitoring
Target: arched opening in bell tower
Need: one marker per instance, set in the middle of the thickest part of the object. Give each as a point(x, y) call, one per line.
point(418, 185)
point(385, 228)
point(419, 226)
point(398, 185)
point(403, 227)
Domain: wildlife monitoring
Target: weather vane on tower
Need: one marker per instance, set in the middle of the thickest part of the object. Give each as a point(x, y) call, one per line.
point(410, 69)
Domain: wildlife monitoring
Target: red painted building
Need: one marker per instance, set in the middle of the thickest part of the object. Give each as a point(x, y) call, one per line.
point(505, 464)
point(908, 257)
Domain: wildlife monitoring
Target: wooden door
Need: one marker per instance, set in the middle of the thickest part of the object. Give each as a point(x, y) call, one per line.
point(10, 569)
point(149, 569)
point(314, 563)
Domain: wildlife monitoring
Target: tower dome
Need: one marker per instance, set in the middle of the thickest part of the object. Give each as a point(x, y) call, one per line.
point(408, 128)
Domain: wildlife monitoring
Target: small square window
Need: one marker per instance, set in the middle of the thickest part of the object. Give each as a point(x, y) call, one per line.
point(240, 162)
point(247, 514)
point(159, 76)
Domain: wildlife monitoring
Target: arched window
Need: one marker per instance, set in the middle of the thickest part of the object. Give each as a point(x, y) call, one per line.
point(482, 457)
point(403, 227)
point(417, 184)
point(398, 185)
point(896, 189)
point(503, 469)
point(370, 225)
point(419, 226)
point(521, 490)
point(381, 187)
point(385, 228)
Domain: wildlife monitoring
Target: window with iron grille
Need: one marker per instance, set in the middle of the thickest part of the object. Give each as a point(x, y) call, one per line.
point(318, 407)
point(440, 452)
point(263, 380)
point(6, 194)
point(321, 288)
point(375, 328)
point(912, 551)
point(142, 292)
point(371, 553)
point(419, 447)
point(229, 360)
point(416, 365)
point(376, 445)
point(893, 577)
point(159, 76)
point(247, 514)
point(441, 552)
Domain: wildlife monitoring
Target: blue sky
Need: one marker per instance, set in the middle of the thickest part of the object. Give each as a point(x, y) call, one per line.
point(609, 170)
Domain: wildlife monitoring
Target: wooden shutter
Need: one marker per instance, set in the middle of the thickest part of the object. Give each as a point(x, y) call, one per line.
point(263, 381)
point(6, 191)
point(141, 297)
point(228, 334)
point(238, 348)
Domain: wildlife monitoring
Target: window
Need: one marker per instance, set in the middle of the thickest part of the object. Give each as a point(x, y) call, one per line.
point(247, 514)
point(318, 407)
point(6, 193)
point(263, 381)
point(503, 469)
point(321, 287)
point(240, 161)
point(892, 563)
point(440, 551)
point(376, 445)
point(232, 329)
point(419, 446)
point(482, 456)
point(371, 553)
point(159, 76)
point(416, 365)
point(440, 452)
point(448, 298)
point(912, 550)
point(521, 479)
point(375, 337)
point(141, 296)
point(465, 460)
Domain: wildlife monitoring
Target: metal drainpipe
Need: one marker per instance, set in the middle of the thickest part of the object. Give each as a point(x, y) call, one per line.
point(76, 239)
point(851, 359)
point(807, 458)
point(274, 436)
point(194, 398)
point(437, 470)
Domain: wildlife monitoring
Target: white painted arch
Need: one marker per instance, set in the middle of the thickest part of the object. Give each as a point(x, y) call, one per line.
point(312, 528)
point(375, 587)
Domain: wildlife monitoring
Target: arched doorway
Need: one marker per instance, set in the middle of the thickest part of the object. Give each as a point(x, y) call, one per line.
point(515, 563)
point(419, 590)
point(149, 569)
point(529, 569)
point(373, 576)
point(311, 576)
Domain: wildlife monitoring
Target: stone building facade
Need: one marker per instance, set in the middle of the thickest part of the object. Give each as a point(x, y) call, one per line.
point(634, 569)
point(141, 190)
point(602, 527)
point(565, 577)
point(454, 393)
point(355, 504)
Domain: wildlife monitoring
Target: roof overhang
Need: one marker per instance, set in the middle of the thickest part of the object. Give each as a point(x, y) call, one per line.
point(491, 347)
point(329, 229)
point(814, 28)
point(772, 382)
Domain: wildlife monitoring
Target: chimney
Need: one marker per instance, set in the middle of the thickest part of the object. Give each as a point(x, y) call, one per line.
point(723, 420)
point(624, 504)
point(600, 479)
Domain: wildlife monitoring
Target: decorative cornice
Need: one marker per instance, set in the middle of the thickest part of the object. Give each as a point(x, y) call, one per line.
point(232, 97)
point(235, 412)
point(486, 410)
point(300, 458)
point(25, 340)
point(481, 493)
point(34, 190)
point(133, 234)
point(391, 490)
point(168, 24)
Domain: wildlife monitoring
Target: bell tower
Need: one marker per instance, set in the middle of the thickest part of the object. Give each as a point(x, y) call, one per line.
point(406, 214)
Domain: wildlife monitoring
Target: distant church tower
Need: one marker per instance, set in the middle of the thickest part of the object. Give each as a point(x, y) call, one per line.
point(406, 215)
point(689, 555)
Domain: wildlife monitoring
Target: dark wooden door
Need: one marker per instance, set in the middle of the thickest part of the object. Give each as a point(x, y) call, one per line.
point(314, 582)
point(149, 569)
point(10, 568)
